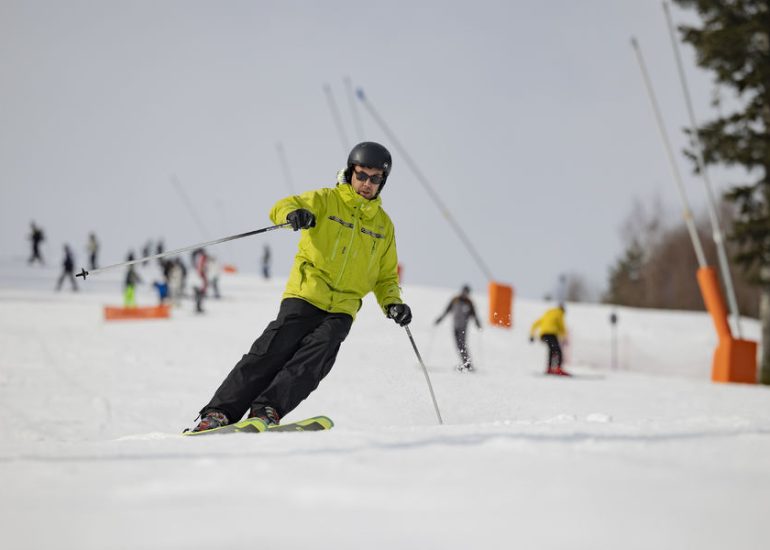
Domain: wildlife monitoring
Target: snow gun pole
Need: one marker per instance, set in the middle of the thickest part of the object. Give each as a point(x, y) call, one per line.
point(716, 228)
point(83, 273)
point(336, 116)
point(428, 187)
point(198, 221)
point(425, 372)
point(285, 165)
point(353, 109)
point(688, 219)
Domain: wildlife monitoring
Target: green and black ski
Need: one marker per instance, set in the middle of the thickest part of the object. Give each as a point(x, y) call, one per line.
point(255, 425)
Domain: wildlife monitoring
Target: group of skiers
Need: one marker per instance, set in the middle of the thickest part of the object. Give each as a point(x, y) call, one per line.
point(346, 250)
point(37, 237)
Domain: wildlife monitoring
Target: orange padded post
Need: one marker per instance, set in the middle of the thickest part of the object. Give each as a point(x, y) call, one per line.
point(734, 360)
point(715, 303)
point(229, 268)
point(122, 313)
point(500, 305)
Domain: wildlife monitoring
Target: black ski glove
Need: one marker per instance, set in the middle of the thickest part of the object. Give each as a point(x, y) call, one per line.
point(400, 313)
point(301, 219)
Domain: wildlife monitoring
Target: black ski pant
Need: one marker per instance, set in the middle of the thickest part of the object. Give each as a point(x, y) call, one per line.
point(67, 275)
point(286, 363)
point(462, 346)
point(554, 350)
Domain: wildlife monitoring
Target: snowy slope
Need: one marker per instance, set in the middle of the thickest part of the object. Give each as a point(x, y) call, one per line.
point(649, 456)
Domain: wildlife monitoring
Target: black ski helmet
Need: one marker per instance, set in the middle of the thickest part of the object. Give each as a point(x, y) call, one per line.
point(370, 155)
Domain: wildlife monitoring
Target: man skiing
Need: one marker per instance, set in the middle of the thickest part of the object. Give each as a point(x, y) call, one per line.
point(551, 328)
point(347, 249)
point(462, 310)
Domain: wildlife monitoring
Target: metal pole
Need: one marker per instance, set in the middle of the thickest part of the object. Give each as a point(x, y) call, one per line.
point(83, 273)
point(716, 228)
point(285, 165)
point(425, 372)
point(178, 186)
point(336, 117)
point(354, 109)
point(428, 187)
point(672, 161)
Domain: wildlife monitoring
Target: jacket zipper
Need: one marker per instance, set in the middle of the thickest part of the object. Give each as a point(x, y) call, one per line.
point(349, 247)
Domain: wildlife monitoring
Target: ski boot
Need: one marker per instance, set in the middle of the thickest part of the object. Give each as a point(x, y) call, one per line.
point(265, 413)
point(211, 420)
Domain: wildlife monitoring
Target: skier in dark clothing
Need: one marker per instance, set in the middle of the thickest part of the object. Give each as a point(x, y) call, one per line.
point(36, 236)
point(462, 310)
point(68, 269)
point(266, 262)
point(323, 294)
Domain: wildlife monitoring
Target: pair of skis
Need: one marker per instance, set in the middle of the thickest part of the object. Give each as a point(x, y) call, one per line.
point(256, 425)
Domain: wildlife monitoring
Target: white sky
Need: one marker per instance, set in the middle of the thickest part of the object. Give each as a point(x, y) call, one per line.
point(529, 118)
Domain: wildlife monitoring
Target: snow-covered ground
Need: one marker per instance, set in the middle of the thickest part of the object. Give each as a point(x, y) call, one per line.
point(648, 456)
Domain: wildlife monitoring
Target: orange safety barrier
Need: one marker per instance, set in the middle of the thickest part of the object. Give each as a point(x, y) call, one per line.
point(113, 313)
point(229, 268)
point(500, 305)
point(734, 360)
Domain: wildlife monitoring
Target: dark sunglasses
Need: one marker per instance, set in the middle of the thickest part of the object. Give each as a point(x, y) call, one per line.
point(376, 179)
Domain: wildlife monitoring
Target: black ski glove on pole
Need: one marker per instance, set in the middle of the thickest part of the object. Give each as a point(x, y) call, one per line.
point(400, 313)
point(301, 219)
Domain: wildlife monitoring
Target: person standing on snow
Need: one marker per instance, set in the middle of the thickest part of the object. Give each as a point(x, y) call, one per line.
point(93, 250)
point(130, 282)
point(347, 249)
point(551, 328)
point(462, 310)
point(68, 269)
point(36, 236)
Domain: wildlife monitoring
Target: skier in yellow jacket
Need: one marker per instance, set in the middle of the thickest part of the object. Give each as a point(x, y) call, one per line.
point(551, 328)
point(347, 249)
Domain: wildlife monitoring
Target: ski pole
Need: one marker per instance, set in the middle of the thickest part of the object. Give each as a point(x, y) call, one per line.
point(83, 273)
point(425, 372)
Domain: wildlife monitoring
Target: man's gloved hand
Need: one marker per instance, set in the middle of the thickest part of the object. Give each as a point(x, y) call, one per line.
point(400, 313)
point(301, 219)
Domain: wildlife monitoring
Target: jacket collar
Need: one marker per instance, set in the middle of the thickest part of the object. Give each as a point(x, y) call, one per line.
point(369, 208)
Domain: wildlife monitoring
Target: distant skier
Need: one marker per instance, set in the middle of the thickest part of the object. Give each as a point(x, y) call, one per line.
point(200, 261)
point(347, 249)
point(93, 250)
point(129, 285)
point(36, 237)
point(551, 328)
point(213, 271)
point(266, 262)
point(68, 269)
point(462, 310)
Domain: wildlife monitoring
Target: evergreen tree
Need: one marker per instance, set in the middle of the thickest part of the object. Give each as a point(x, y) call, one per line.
point(733, 42)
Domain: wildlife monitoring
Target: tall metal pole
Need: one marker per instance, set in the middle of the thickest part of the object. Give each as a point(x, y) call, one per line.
point(687, 213)
point(285, 166)
point(716, 229)
point(354, 109)
point(426, 184)
point(337, 119)
point(198, 221)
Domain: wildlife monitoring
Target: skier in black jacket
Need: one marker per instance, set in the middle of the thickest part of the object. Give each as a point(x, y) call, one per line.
point(68, 269)
point(462, 310)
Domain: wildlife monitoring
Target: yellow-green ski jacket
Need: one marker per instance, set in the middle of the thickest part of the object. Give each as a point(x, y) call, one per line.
point(552, 322)
point(350, 252)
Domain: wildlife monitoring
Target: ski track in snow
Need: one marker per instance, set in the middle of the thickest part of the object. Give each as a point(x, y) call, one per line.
point(649, 456)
